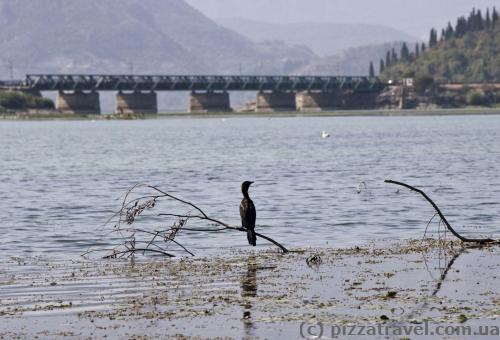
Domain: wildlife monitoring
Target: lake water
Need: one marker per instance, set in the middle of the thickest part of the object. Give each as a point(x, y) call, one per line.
point(61, 180)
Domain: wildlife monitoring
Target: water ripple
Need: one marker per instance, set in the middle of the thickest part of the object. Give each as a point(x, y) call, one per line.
point(59, 181)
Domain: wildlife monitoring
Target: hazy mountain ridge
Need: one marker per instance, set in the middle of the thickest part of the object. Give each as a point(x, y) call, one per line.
point(325, 39)
point(116, 36)
point(413, 17)
point(350, 62)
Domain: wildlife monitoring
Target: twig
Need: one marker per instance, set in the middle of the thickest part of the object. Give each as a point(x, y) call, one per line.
point(443, 218)
point(180, 245)
point(135, 250)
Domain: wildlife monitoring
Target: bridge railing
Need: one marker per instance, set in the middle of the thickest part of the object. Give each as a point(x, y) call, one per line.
point(96, 82)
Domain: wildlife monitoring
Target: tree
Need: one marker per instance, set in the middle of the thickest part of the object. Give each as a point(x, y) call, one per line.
point(423, 48)
point(479, 21)
point(394, 56)
point(405, 52)
point(417, 51)
point(423, 83)
point(461, 27)
point(443, 34)
point(388, 61)
point(475, 21)
point(382, 66)
point(449, 33)
point(487, 21)
point(433, 38)
point(372, 70)
point(447, 72)
point(494, 17)
point(471, 21)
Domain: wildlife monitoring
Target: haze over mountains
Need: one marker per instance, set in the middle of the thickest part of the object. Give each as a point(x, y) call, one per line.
point(413, 17)
point(170, 36)
point(351, 62)
point(116, 36)
point(325, 39)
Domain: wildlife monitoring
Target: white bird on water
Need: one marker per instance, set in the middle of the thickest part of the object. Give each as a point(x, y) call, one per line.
point(325, 134)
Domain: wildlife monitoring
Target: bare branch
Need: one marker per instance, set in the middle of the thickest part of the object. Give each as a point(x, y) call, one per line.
point(441, 215)
point(135, 250)
point(132, 208)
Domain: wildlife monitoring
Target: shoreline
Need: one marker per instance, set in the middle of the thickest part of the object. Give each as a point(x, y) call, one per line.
point(469, 111)
point(262, 294)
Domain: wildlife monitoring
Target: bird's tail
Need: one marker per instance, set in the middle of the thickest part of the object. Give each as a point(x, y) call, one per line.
point(252, 238)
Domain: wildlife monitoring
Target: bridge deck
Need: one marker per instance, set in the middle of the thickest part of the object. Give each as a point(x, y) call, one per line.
point(80, 82)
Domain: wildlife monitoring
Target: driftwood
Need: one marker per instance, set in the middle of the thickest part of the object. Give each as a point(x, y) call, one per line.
point(443, 218)
point(137, 240)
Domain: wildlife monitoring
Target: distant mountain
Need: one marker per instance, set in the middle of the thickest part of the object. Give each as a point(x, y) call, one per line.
point(350, 62)
point(118, 36)
point(324, 39)
point(413, 17)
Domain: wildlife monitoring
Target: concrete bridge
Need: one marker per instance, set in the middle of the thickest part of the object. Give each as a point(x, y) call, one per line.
point(78, 93)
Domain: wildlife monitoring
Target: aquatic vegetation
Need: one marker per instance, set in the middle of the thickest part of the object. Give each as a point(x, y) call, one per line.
point(264, 294)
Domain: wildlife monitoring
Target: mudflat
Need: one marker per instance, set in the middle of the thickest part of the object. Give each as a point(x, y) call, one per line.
point(412, 286)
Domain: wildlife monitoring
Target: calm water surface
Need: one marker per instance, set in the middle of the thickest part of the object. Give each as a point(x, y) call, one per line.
point(60, 181)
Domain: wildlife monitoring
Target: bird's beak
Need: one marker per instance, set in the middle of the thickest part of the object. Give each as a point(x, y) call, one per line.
point(252, 183)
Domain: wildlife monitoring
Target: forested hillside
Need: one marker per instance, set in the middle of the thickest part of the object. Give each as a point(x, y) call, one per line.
point(468, 51)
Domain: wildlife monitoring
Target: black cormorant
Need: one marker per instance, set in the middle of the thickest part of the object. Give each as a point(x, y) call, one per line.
point(248, 214)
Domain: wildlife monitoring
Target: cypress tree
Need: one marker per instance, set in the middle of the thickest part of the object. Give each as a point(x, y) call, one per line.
point(423, 48)
point(433, 38)
point(382, 66)
point(388, 61)
point(471, 21)
point(372, 70)
point(394, 57)
point(461, 27)
point(487, 20)
point(449, 32)
point(405, 52)
point(494, 18)
point(417, 51)
point(479, 21)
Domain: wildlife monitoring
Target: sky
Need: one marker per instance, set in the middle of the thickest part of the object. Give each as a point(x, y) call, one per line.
point(415, 17)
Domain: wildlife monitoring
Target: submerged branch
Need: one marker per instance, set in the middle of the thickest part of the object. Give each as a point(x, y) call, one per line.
point(136, 250)
point(441, 215)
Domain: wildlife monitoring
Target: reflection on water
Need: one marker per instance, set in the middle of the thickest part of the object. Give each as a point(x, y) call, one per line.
point(60, 181)
point(248, 291)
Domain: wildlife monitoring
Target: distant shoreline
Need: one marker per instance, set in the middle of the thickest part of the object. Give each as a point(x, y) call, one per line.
point(342, 113)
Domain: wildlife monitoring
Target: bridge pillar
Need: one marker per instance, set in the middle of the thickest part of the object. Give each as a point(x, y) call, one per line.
point(78, 102)
point(318, 101)
point(275, 101)
point(209, 102)
point(136, 102)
